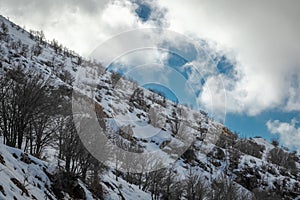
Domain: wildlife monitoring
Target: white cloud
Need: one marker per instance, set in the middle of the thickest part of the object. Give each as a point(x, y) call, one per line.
point(118, 15)
point(73, 23)
point(261, 36)
point(289, 133)
point(264, 38)
point(213, 97)
point(79, 25)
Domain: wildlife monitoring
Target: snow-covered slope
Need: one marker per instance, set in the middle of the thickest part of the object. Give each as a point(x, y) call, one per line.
point(144, 122)
point(26, 177)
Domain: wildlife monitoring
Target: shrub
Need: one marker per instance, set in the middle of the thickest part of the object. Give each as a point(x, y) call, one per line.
point(249, 147)
point(281, 158)
point(115, 77)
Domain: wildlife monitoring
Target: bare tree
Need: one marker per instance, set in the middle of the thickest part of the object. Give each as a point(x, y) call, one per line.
point(40, 134)
point(196, 188)
point(70, 144)
point(224, 189)
point(171, 188)
point(4, 31)
point(23, 98)
point(155, 117)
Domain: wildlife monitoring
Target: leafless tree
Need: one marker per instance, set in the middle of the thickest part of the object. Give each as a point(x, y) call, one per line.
point(224, 189)
point(155, 117)
point(23, 99)
point(195, 186)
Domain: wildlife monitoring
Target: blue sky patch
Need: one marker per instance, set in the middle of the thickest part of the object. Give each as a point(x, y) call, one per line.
point(175, 60)
point(143, 11)
point(224, 66)
point(251, 126)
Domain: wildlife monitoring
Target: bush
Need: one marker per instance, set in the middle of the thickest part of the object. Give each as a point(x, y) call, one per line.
point(251, 148)
point(223, 188)
point(281, 158)
point(115, 77)
point(4, 28)
point(225, 141)
point(259, 194)
point(217, 153)
point(275, 143)
point(189, 155)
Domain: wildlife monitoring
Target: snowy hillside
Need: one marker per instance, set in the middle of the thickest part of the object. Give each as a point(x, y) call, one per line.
point(26, 177)
point(200, 158)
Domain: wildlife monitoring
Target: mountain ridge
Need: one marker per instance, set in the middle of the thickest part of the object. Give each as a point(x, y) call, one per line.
point(215, 158)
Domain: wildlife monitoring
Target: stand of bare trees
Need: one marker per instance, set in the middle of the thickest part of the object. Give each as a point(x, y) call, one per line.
point(23, 101)
point(34, 115)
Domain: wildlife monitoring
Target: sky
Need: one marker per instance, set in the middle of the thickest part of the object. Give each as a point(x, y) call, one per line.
point(237, 60)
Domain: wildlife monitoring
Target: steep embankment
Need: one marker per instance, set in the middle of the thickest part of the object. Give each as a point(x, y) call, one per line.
point(140, 121)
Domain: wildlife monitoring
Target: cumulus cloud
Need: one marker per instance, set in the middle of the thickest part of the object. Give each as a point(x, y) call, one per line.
point(73, 23)
point(79, 25)
point(288, 131)
point(263, 35)
point(260, 37)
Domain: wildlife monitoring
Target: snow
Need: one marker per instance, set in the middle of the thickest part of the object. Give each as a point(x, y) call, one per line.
point(121, 188)
point(30, 175)
point(115, 101)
